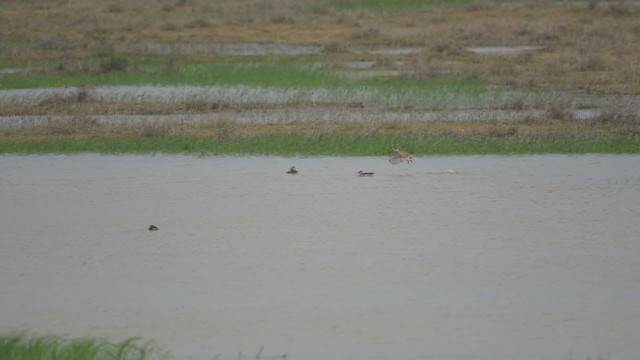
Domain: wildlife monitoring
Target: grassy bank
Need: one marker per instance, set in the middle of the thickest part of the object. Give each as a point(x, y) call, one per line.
point(328, 138)
point(292, 146)
point(23, 347)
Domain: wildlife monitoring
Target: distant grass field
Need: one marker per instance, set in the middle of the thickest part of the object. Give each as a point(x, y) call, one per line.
point(24, 347)
point(587, 46)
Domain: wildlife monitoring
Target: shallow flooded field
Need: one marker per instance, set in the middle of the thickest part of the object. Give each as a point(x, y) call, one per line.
point(476, 257)
point(256, 105)
point(292, 116)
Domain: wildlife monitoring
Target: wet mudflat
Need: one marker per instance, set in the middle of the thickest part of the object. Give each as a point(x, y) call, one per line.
point(476, 257)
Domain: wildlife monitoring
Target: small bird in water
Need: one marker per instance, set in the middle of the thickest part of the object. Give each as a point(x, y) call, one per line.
point(292, 170)
point(153, 228)
point(364, 173)
point(398, 156)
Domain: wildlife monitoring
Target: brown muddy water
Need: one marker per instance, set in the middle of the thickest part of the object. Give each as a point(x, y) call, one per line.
point(475, 257)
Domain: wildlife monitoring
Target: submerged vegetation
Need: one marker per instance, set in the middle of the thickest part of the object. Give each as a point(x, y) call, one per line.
point(23, 347)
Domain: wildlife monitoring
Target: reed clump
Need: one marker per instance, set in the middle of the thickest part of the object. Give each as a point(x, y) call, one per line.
point(49, 347)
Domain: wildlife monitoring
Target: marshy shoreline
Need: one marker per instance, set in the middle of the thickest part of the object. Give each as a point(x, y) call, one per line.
point(254, 120)
point(320, 78)
point(322, 139)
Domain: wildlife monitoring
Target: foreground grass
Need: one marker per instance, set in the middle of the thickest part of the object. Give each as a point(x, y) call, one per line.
point(327, 138)
point(22, 347)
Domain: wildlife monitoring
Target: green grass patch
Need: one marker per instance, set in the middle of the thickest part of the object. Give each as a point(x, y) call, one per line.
point(23, 347)
point(266, 74)
point(331, 145)
point(420, 87)
point(284, 73)
point(263, 74)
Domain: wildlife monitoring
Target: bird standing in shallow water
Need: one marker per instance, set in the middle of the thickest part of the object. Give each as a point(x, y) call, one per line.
point(398, 156)
point(292, 170)
point(364, 173)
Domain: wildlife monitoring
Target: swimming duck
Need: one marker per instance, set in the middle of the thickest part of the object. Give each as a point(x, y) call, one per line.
point(292, 170)
point(153, 228)
point(364, 173)
point(398, 156)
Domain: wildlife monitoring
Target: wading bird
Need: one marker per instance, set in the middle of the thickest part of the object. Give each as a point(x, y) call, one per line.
point(292, 170)
point(364, 173)
point(398, 156)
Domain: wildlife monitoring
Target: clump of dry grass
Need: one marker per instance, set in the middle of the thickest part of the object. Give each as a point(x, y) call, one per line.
point(154, 130)
point(561, 108)
point(75, 125)
point(81, 94)
point(197, 104)
point(111, 60)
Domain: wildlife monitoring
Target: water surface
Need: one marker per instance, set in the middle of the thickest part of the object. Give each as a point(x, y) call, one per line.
point(475, 257)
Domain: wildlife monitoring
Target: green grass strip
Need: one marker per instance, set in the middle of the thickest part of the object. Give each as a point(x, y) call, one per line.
point(283, 73)
point(291, 145)
point(287, 74)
